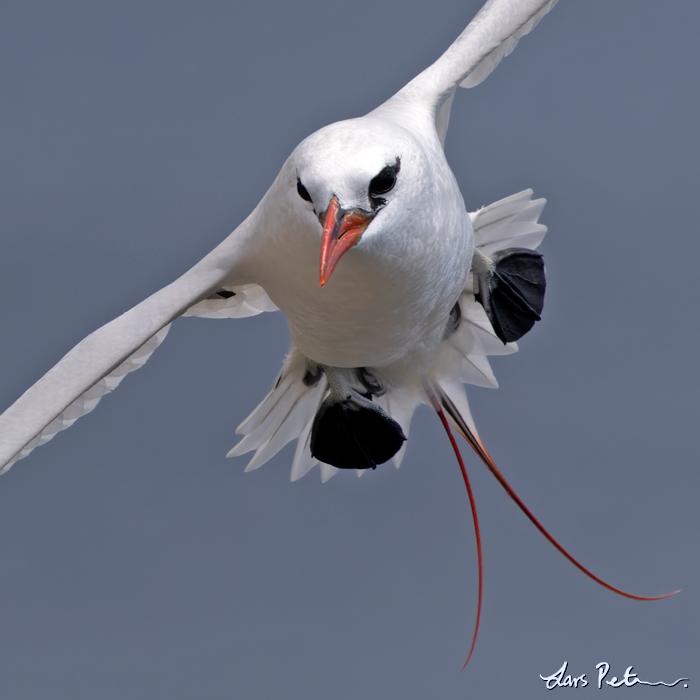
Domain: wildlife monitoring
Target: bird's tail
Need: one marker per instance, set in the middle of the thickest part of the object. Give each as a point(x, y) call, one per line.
point(285, 414)
point(346, 434)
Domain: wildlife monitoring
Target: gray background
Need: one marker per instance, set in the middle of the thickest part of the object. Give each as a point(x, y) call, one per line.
point(136, 562)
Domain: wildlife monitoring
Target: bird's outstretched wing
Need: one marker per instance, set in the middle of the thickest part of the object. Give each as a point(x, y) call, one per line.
point(98, 364)
point(488, 38)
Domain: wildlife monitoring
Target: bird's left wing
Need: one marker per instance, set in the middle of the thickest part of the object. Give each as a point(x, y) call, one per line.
point(488, 38)
point(98, 364)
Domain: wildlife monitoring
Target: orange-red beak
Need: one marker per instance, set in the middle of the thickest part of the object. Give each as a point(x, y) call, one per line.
point(341, 231)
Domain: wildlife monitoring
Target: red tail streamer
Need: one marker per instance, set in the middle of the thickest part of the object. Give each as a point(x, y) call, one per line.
point(486, 459)
point(441, 414)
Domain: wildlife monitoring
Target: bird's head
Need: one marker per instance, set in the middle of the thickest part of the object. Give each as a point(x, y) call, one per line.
point(356, 178)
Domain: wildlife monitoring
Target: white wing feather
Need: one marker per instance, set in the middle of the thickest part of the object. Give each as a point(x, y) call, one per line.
point(488, 38)
point(96, 365)
point(491, 60)
point(88, 401)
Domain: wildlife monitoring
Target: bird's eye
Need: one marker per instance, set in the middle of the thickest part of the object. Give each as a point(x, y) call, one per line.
point(383, 182)
point(303, 192)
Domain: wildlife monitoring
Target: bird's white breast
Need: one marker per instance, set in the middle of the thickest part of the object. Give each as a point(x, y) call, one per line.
point(387, 300)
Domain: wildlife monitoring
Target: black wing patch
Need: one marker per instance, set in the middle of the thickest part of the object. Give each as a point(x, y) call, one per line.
point(512, 291)
point(352, 435)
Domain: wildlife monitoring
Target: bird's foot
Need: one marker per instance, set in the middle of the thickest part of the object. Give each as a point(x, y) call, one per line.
point(349, 430)
point(510, 285)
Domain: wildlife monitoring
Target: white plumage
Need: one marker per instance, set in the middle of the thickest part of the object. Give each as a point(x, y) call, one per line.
point(387, 303)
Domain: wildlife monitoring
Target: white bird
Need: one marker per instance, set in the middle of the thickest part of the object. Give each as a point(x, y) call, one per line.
point(410, 297)
point(377, 192)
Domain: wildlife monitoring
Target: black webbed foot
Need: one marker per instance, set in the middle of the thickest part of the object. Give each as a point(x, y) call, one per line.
point(354, 434)
point(510, 285)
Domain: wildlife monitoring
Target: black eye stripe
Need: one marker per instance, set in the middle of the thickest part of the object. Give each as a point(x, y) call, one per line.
point(303, 192)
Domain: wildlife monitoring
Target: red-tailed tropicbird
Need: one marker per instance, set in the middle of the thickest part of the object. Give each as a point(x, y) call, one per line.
point(412, 295)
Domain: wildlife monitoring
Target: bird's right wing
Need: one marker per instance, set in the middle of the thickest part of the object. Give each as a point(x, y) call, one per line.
point(98, 364)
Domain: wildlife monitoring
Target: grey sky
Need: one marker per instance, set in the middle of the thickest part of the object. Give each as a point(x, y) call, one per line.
point(137, 562)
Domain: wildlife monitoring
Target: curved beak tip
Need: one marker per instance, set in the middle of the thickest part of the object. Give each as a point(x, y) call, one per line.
point(341, 231)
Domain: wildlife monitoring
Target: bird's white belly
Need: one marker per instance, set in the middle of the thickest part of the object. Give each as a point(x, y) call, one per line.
point(372, 312)
point(362, 335)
